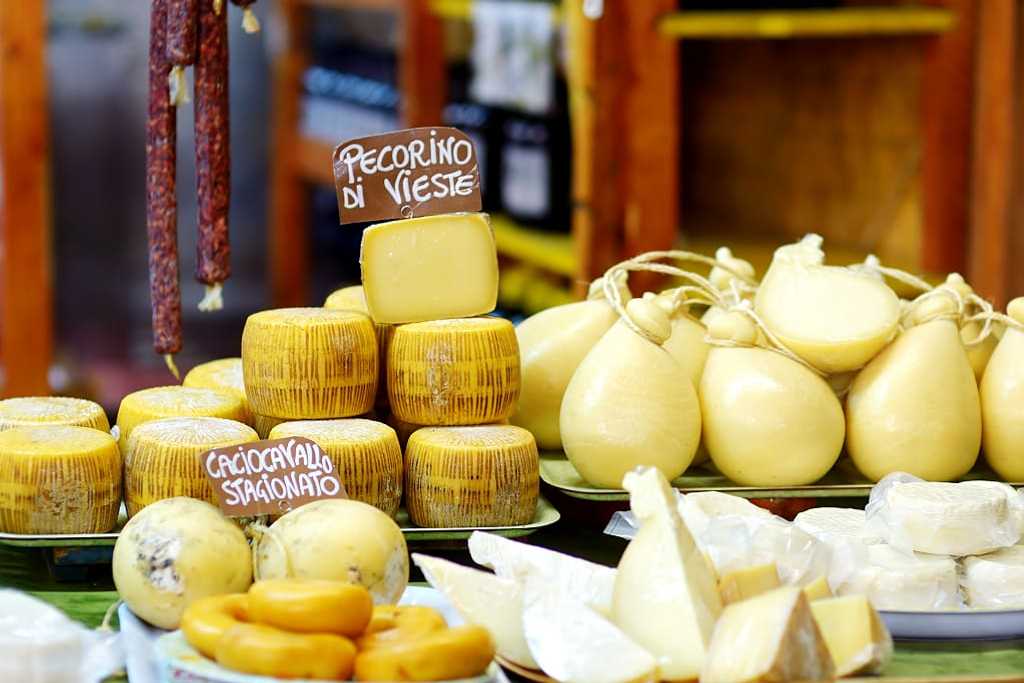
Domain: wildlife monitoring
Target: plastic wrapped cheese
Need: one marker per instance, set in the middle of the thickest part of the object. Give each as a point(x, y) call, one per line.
point(968, 518)
point(1002, 399)
point(41, 645)
point(844, 532)
point(996, 580)
point(915, 407)
point(913, 582)
point(835, 318)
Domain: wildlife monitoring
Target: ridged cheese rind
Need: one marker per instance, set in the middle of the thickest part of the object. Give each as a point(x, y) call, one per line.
point(58, 479)
point(365, 454)
point(264, 424)
point(26, 411)
point(224, 374)
point(995, 580)
point(478, 476)
point(454, 372)
point(309, 363)
point(162, 459)
point(174, 401)
point(354, 299)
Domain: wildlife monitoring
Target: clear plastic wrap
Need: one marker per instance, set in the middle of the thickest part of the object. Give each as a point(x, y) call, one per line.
point(844, 531)
point(42, 645)
point(967, 518)
point(898, 581)
point(996, 580)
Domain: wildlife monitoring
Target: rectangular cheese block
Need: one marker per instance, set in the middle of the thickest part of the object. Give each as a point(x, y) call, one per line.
point(747, 582)
point(430, 268)
point(854, 633)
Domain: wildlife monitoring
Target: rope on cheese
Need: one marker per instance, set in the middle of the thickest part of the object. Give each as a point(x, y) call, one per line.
point(464, 371)
point(162, 459)
point(57, 479)
point(174, 401)
point(471, 476)
point(27, 411)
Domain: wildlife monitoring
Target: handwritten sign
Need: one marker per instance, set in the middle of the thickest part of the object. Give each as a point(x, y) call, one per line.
point(270, 477)
point(406, 174)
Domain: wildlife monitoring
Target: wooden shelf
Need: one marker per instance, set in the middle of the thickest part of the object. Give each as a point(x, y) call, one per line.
point(550, 251)
point(312, 159)
point(832, 23)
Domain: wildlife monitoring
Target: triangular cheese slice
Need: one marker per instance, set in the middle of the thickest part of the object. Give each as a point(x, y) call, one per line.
point(854, 633)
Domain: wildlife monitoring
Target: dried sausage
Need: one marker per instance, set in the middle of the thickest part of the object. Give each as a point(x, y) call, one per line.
point(181, 31)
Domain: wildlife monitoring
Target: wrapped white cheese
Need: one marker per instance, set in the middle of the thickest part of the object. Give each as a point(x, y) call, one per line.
point(913, 582)
point(996, 580)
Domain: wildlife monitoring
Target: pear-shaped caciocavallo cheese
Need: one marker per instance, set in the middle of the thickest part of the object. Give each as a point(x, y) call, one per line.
point(552, 344)
point(630, 403)
point(835, 318)
point(915, 407)
point(1002, 400)
point(768, 420)
point(978, 352)
point(686, 342)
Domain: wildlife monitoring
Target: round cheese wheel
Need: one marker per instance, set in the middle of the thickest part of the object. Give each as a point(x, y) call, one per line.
point(175, 401)
point(365, 455)
point(264, 424)
point(27, 411)
point(309, 363)
point(162, 459)
point(224, 374)
point(58, 479)
point(354, 299)
point(454, 372)
point(477, 476)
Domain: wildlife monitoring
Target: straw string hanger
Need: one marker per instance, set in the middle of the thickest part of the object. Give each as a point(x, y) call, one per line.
point(775, 344)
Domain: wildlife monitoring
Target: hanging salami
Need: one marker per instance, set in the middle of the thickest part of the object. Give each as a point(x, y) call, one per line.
point(213, 154)
point(181, 44)
point(161, 204)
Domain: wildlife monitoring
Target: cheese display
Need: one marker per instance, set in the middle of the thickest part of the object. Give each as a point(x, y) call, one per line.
point(365, 454)
point(825, 524)
point(629, 403)
point(856, 637)
point(969, 518)
point(175, 552)
point(28, 411)
point(995, 580)
point(175, 401)
point(818, 589)
point(895, 580)
point(463, 371)
point(700, 508)
point(355, 543)
point(665, 598)
point(757, 403)
point(407, 268)
point(162, 460)
point(552, 344)
point(311, 606)
point(835, 318)
point(915, 407)
point(741, 584)
point(58, 479)
point(1002, 400)
point(224, 374)
point(772, 637)
point(309, 363)
point(354, 299)
point(471, 476)
point(686, 342)
point(264, 424)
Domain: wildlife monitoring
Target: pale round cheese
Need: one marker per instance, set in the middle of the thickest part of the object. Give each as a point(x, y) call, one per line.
point(825, 523)
point(224, 374)
point(699, 509)
point(175, 401)
point(27, 411)
point(996, 580)
point(895, 580)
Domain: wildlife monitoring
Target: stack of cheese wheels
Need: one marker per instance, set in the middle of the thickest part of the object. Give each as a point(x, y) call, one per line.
point(309, 363)
point(53, 410)
point(162, 459)
point(451, 371)
point(58, 479)
point(224, 374)
point(174, 401)
point(354, 299)
point(365, 454)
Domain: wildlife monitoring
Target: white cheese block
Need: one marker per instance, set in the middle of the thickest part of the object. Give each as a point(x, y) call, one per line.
point(666, 598)
point(573, 643)
point(771, 638)
point(586, 582)
point(894, 580)
point(828, 523)
point(854, 633)
point(996, 580)
point(483, 599)
point(698, 509)
point(941, 518)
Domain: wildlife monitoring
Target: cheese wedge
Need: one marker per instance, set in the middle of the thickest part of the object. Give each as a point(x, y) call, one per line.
point(665, 597)
point(483, 599)
point(28, 411)
point(818, 589)
point(586, 582)
point(771, 638)
point(748, 582)
point(854, 633)
point(430, 268)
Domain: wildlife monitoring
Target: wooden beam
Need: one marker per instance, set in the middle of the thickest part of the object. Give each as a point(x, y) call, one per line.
point(26, 286)
point(946, 109)
point(288, 243)
point(423, 76)
point(993, 154)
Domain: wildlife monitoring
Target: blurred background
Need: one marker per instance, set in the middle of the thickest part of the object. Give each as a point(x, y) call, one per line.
point(889, 128)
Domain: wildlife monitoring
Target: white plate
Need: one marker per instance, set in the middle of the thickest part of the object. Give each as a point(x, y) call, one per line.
point(966, 625)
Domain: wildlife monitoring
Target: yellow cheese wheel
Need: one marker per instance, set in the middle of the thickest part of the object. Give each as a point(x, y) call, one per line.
point(471, 476)
point(174, 401)
point(454, 372)
point(58, 479)
point(224, 374)
point(309, 363)
point(162, 459)
point(354, 299)
point(264, 424)
point(27, 411)
point(365, 454)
